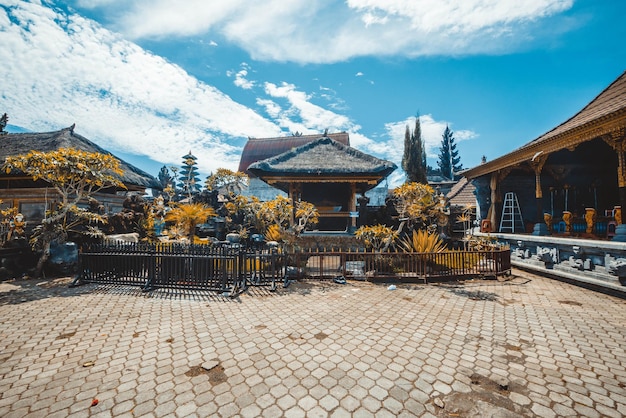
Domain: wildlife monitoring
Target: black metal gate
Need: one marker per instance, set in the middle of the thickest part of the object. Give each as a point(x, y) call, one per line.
point(230, 269)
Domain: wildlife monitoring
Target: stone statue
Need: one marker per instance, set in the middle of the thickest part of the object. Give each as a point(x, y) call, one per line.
point(159, 215)
point(16, 227)
point(548, 255)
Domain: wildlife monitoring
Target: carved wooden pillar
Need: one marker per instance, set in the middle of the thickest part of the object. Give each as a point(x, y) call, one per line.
point(617, 141)
point(496, 178)
point(621, 174)
point(493, 185)
point(294, 196)
point(537, 164)
point(352, 204)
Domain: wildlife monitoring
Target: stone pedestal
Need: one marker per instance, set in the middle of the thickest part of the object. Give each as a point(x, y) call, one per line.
point(620, 233)
point(540, 229)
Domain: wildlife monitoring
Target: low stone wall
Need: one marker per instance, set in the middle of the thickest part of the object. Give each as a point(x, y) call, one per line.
point(595, 262)
point(328, 241)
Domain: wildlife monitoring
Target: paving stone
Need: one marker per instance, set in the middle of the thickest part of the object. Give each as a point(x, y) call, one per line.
point(355, 350)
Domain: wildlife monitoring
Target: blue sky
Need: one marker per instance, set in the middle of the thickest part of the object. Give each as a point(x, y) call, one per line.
point(151, 80)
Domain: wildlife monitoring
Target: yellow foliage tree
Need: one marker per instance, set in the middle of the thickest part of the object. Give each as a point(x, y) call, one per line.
point(378, 237)
point(232, 182)
point(187, 216)
point(418, 203)
point(279, 212)
point(418, 206)
point(75, 175)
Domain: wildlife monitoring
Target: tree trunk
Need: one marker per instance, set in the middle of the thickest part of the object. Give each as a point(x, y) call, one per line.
point(389, 241)
point(42, 260)
point(192, 233)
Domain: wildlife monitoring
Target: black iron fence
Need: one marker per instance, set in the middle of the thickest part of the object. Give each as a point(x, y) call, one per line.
point(371, 265)
point(233, 269)
point(152, 266)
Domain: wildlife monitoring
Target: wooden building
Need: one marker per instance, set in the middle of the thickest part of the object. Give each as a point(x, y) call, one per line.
point(326, 172)
point(258, 149)
point(571, 179)
point(33, 198)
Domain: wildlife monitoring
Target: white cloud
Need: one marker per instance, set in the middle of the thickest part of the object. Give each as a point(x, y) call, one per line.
point(335, 30)
point(161, 18)
point(372, 19)
point(459, 17)
point(272, 108)
point(242, 81)
point(313, 118)
point(359, 74)
point(65, 69)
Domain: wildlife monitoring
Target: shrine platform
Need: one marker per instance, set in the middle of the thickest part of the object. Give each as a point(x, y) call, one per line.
point(593, 263)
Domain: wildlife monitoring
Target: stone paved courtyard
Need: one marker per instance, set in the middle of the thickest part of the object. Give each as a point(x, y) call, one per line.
point(529, 346)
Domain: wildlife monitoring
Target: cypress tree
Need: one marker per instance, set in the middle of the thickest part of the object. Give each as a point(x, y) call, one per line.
point(449, 158)
point(414, 158)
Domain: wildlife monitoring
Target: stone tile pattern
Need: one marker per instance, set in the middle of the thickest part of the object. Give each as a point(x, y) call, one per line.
point(527, 347)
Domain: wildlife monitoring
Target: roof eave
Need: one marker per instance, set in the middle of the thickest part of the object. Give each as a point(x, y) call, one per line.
point(571, 138)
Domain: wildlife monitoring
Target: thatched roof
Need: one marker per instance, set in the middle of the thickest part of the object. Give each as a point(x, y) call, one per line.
point(257, 149)
point(324, 158)
point(21, 143)
point(603, 115)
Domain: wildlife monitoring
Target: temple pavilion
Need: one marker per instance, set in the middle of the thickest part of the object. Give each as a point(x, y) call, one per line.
point(570, 180)
point(324, 171)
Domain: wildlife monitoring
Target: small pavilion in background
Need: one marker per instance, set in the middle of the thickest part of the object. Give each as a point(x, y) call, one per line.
point(324, 171)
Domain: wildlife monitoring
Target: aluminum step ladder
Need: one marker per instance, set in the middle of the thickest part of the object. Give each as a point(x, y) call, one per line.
point(511, 220)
